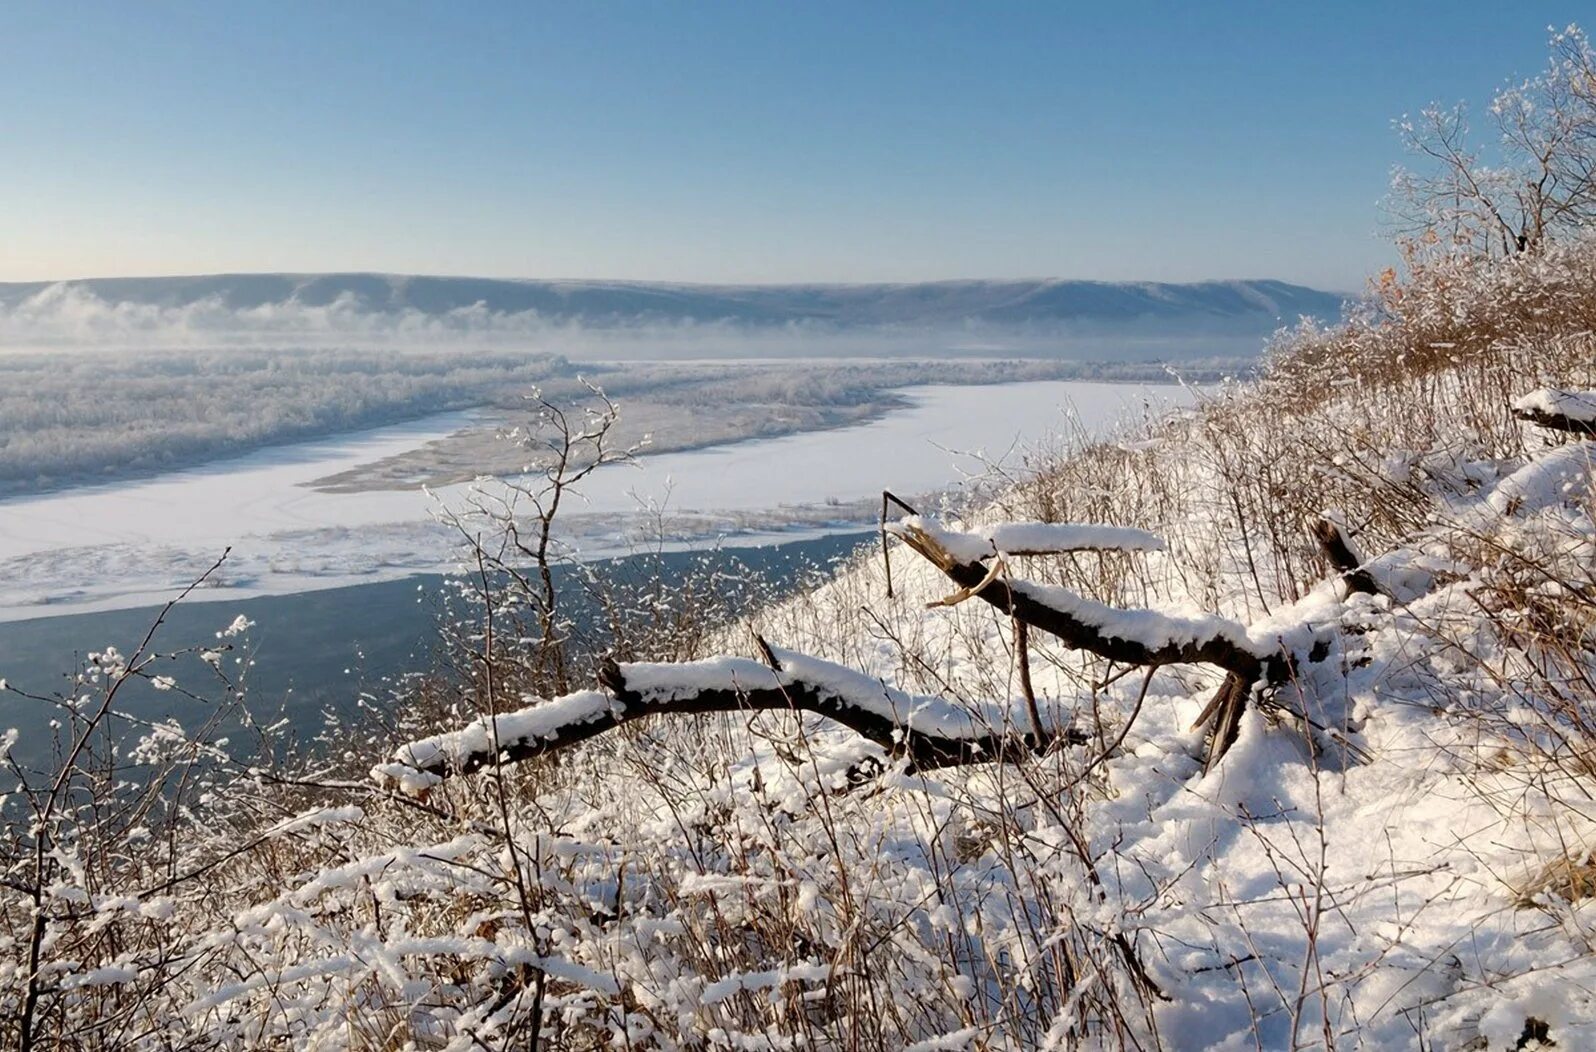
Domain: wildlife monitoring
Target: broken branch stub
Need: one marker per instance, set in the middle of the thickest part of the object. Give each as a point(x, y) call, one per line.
point(1339, 554)
point(1224, 712)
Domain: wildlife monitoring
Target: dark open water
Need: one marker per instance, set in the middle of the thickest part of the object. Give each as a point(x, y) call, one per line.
point(307, 653)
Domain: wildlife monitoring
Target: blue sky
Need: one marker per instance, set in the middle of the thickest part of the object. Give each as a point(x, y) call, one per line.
point(739, 142)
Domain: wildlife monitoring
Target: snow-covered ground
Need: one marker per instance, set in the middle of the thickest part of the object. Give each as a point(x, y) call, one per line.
point(126, 544)
point(1394, 852)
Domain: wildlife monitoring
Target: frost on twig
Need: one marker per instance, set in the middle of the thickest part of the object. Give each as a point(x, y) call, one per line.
point(929, 731)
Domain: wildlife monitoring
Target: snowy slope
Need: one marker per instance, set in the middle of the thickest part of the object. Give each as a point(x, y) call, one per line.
point(1396, 852)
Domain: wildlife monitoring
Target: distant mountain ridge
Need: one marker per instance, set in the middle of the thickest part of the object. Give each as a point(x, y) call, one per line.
point(1250, 305)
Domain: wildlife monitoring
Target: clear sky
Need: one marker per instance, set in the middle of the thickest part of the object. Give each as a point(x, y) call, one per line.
point(740, 142)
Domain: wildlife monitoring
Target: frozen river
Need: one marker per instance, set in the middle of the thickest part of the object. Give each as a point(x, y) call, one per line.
point(128, 544)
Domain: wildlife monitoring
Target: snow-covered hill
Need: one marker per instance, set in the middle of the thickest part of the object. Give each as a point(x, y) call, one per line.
point(1255, 307)
point(846, 840)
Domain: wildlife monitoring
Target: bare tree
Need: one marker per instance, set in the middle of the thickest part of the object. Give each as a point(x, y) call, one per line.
point(510, 525)
point(1507, 197)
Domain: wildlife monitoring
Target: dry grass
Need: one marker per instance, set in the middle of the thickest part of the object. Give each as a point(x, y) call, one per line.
point(1570, 878)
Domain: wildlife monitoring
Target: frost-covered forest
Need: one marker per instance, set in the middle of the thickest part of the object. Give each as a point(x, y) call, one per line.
point(86, 416)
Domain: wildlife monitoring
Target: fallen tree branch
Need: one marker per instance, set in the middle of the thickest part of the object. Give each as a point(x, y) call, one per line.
point(930, 732)
point(1572, 412)
point(1131, 637)
point(1143, 638)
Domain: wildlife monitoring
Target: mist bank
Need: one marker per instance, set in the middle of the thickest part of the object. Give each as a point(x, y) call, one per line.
point(106, 378)
point(1070, 319)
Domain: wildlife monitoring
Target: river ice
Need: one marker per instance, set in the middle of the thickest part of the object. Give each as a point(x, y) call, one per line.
point(132, 543)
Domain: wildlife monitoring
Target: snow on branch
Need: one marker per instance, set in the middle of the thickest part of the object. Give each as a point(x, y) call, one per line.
point(930, 731)
point(1550, 478)
point(1035, 538)
point(1570, 411)
point(1132, 637)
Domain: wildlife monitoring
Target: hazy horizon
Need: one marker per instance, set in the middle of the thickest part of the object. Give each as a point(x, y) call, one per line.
point(556, 279)
point(717, 144)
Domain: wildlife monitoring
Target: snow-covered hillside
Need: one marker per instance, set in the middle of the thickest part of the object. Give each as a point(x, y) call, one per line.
point(860, 835)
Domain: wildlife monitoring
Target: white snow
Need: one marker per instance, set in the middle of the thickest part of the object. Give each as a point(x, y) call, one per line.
point(1390, 894)
point(718, 991)
point(1022, 538)
point(667, 682)
point(1576, 405)
point(1029, 538)
point(111, 975)
point(1563, 474)
point(1397, 851)
point(540, 719)
point(321, 816)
